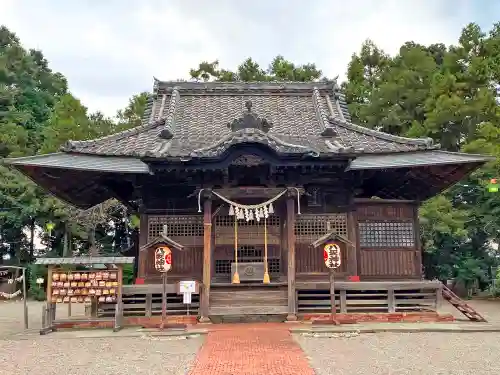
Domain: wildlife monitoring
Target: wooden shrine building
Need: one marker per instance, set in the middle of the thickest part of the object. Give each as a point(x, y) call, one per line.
point(254, 178)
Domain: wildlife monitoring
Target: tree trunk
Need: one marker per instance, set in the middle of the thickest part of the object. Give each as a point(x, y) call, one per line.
point(32, 240)
point(93, 248)
point(66, 244)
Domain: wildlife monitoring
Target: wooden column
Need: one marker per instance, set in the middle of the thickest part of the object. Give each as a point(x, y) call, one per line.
point(419, 271)
point(143, 240)
point(207, 258)
point(352, 253)
point(290, 235)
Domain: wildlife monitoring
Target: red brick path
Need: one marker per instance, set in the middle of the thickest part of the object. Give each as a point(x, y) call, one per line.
point(251, 349)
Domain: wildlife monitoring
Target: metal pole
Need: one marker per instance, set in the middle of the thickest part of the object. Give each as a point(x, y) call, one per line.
point(25, 302)
point(332, 295)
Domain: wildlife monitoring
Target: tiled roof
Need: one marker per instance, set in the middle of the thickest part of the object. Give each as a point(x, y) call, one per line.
point(190, 120)
point(86, 260)
point(82, 162)
point(415, 159)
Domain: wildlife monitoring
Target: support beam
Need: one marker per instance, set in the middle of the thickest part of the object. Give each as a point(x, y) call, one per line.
point(143, 239)
point(352, 255)
point(207, 258)
point(290, 234)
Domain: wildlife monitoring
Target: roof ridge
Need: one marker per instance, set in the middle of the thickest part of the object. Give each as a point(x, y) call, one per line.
point(169, 124)
point(318, 107)
point(427, 142)
point(161, 86)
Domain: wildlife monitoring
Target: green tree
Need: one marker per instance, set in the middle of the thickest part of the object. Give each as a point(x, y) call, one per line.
point(449, 94)
point(249, 70)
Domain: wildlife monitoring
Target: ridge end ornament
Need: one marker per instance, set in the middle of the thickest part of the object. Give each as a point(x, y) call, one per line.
point(250, 120)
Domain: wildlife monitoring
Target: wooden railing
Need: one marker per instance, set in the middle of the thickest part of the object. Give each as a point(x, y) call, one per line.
point(146, 300)
point(371, 297)
point(311, 297)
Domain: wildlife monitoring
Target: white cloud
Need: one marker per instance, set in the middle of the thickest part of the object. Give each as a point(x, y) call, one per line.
point(111, 50)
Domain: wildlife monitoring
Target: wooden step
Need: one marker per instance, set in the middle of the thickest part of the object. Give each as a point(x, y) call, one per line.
point(247, 295)
point(461, 305)
point(246, 302)
point(248, 310)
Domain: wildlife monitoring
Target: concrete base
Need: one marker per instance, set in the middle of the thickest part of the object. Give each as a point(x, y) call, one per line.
point(291, 318)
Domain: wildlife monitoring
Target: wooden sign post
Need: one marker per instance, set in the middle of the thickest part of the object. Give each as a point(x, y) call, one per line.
point(332, 257)
point(163, 263)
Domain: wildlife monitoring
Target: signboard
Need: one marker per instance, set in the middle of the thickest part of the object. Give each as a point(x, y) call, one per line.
point(332, 255)
point(493, 186)
point(163, 259)
point(187, 286)
point(83, 286)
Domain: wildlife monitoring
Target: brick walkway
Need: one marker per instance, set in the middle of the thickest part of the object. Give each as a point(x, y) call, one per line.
point(250, 349)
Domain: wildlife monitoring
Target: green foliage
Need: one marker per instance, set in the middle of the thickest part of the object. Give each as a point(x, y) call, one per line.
point(38, 115)
point(448, 93)
point(36, 291)
point(279, 70)
point(128, 274)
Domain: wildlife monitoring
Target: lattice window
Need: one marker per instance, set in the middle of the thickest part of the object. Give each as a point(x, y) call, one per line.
point(223, 267)
point(228, 221)
point(274, 266)
point(314, 226)
point(390, 234)
point(177, 226)
point(247, 251)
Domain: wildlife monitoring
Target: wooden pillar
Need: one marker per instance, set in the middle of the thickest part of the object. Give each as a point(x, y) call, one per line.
point(143, 240)
point(290, 234)
point(352, 255)
point(207, 259)
point(419, 269)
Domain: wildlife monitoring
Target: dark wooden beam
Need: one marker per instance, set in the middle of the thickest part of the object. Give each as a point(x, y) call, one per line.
point(290, 234)
point(207, 258)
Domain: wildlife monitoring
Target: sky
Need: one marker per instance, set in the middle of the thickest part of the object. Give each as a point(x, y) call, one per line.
point(110, 50)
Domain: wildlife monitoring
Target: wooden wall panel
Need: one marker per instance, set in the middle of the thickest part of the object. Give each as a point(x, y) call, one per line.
point(310, 227)
point(310, 260)
point(387, 239)
point(388, 263)
point(187, 263)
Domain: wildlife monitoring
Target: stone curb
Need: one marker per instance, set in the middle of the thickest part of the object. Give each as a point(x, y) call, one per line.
point(100, 334)
point(395, 330)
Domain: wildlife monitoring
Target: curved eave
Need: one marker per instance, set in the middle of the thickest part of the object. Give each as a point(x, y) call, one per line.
point(415, 177)
point(415, 159)
point(74, 178)
point(83, 162)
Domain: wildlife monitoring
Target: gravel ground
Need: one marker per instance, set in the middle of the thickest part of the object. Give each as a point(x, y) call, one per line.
point(12, 315)
point(107, 356)
point(487, 308)
point(32, 354)
point(401, 353)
